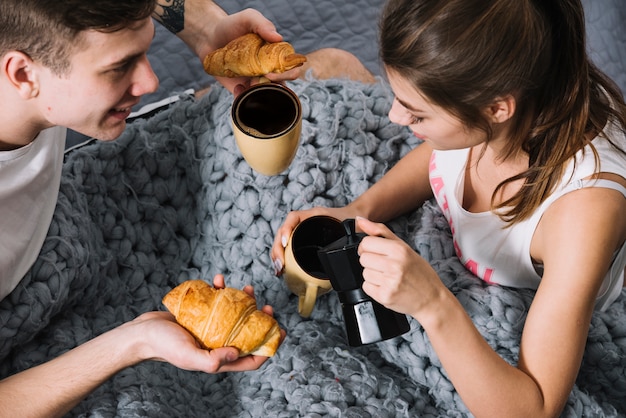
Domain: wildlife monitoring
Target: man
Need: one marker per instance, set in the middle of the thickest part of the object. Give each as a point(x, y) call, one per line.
point(82, 64)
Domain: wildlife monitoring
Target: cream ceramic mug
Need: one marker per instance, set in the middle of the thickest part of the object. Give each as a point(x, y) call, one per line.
point(303, 270)
point(267, 122)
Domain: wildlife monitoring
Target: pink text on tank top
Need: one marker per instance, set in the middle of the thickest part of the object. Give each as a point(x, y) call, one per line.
point(437, 184)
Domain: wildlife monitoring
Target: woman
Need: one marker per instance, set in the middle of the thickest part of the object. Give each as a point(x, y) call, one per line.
point(524, 150)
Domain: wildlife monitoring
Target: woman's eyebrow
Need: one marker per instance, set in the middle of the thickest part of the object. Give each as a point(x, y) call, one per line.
point(408, 106)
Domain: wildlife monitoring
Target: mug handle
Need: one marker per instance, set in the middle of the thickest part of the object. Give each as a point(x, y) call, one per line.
point(306, 302)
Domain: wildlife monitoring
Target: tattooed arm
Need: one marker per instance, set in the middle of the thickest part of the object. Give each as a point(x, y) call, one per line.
point(204, 26)
point(171, 14)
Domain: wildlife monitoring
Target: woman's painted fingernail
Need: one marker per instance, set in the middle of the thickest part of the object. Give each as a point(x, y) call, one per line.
point(278, 266)
point(284, 241)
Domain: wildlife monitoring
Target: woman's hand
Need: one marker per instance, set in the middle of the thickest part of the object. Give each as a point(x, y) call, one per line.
point(395, 275)
point(277, 252)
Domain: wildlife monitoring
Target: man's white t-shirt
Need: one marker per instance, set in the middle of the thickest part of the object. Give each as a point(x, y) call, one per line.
point(29, 186)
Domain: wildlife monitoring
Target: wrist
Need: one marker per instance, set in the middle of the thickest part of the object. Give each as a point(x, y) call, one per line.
point(131, 342)
point(436, 313)
point(359, 207)
point(188, 20)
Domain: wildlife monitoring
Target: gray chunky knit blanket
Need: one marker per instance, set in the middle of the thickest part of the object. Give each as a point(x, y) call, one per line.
point(173, 200)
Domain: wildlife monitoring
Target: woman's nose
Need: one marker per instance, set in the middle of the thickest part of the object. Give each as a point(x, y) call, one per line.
point(398, 114)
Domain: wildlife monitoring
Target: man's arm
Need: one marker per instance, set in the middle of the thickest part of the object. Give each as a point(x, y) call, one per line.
point(171, 14)
point(53, 388)
point(204, 27)
point(194, 21)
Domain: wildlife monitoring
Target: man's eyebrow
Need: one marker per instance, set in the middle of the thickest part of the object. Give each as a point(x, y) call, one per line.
point(128, 58)
point(123, 60)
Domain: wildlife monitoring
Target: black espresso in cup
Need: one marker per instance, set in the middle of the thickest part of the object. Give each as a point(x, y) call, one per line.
point(267, 122)
point(266, 112)
point(366, 321)
point(310, 236)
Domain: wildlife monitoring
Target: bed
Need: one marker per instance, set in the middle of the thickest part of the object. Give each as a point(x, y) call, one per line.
point(172, 200)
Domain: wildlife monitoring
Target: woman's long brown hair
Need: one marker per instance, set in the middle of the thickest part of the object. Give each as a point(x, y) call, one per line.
point(465, 54)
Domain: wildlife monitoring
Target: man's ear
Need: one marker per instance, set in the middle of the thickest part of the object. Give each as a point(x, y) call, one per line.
point(502, 109)
point(19, 70)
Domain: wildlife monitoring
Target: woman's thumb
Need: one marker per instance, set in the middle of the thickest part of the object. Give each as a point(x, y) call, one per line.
point(373, 228)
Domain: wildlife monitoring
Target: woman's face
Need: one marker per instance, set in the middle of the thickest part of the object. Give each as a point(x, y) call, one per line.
point(440, 129)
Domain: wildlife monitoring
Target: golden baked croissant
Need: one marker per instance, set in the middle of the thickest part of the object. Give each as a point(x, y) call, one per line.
point(223, 317)
point(251, 56)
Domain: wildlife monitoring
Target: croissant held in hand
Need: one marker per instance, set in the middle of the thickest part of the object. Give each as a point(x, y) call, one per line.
point(251, 56)
point(223, 317)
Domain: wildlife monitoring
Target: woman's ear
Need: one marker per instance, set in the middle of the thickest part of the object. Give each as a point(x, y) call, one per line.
point(19, 71)
point(502, 109)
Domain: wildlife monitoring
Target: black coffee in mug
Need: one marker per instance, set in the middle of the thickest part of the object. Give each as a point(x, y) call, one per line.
point(310, 236)
point(267, 123)
point(266, 112)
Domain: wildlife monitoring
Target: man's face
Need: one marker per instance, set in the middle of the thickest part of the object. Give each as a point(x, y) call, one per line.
point(109, 73)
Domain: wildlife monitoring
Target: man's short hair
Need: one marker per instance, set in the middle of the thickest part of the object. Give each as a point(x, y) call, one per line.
point(47, 30)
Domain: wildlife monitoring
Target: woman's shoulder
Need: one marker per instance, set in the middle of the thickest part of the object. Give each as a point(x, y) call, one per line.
point(606, 153)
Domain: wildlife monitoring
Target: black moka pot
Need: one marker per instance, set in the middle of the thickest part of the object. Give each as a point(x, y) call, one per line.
point(366, 320)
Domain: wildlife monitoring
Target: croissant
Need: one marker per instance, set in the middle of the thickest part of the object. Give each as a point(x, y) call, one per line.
point(223, 317)
point(251, 56)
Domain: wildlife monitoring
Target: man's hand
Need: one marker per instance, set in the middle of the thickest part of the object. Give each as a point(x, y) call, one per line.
point(205, 27)
point(167, 341)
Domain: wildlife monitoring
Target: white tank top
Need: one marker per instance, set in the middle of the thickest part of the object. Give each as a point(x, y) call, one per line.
point(29, 187)
point(502, 256)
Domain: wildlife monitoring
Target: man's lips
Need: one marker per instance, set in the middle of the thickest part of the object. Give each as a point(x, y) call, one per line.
point(121, 112)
